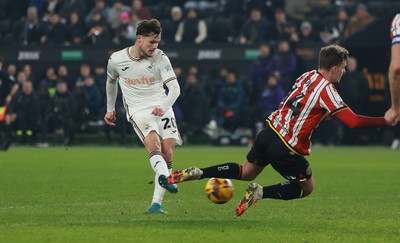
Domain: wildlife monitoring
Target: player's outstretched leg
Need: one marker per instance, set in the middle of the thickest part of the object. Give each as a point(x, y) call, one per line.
point(253, 194)
point(191, 173)
point(155, 208)
point(163, 181)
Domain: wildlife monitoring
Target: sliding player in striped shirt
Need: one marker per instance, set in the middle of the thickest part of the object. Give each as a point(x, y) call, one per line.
point(285, 141)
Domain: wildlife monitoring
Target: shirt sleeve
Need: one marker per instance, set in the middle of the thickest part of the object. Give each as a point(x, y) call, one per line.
point(352, 120)
point(395, 30)
point(331, 100)
point(165, 67)
point(169, 79)
point(111, 85)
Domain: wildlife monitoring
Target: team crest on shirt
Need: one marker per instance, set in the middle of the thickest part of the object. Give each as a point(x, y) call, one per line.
point(168, 67)
point(151, 67)
point(338, 98)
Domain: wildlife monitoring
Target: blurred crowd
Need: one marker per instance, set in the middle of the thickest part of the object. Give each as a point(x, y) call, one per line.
point(63, 101)
point(102, 22)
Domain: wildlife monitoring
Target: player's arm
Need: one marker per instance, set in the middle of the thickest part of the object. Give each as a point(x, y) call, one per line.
point(352, 120)
point(394, 76)
point(173, 93)
point(111, 93)
point(168, 75)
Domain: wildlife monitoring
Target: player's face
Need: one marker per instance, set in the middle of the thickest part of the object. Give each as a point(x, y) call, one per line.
point(338, 72)
point(148, 44)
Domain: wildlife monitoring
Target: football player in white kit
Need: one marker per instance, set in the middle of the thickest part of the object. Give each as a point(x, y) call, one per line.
point(142, 71)
point(393, 114)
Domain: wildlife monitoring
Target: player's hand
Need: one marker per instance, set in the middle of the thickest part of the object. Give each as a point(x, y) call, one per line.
point(327, 116)
point(110, 118)
point(158, 111)
point(392, 116)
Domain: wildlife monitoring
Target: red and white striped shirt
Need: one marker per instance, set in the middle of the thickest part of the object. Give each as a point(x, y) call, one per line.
point(312, 96)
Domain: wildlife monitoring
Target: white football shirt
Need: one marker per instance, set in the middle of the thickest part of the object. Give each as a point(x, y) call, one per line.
point(141, 80)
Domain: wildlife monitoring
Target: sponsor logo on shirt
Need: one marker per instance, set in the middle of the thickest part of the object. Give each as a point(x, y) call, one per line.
point(139, 81)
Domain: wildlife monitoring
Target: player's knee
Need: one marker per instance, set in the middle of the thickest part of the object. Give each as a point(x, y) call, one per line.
point(307, 188)
point(307, 192)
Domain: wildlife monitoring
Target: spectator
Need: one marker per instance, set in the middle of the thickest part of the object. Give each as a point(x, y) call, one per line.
point(271, 95)
point(94, 100)
point(55, 32)
point(141, 11)
point(31, 29)
point(192, 29)
point(339, 21)
point(84, 72)
point(354, 80)
point(48, 82)
point(100, 76)
point(62, 113)
point(255, 29)
point(230, 102)
point(27, 69)
point(70, 6)
point(76, 30)
point(261, 68)
point(170, 26)
point(277, 28)
point(25, 110)
point(115, 13)
point(284, 64)
point(307, 36)
point(193, 98)
point(126, 32)
point(38, 4)
point(216, 82)
point(51, 7)
point(360, 19)
point(64, 75)
point(12, 72)
point(99, 32)
point(291, 34)
point(329, 35)
point(100, 6)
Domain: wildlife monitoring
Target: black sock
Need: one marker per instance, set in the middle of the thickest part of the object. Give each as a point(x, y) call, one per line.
point(227, 170)
point(283, 191)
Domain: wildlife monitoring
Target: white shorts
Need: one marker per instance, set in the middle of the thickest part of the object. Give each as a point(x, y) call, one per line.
point(144, 122)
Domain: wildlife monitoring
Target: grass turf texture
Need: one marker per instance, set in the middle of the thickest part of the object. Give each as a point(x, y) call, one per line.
point(100, 194)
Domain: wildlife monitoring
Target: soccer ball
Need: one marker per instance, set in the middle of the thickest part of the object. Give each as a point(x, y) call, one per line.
point(219, 190)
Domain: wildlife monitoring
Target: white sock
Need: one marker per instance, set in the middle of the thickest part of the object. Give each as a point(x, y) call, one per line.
point(159, 191)
point(158, 164)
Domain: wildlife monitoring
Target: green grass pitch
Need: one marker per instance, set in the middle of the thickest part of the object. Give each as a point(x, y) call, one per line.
point(100, 194)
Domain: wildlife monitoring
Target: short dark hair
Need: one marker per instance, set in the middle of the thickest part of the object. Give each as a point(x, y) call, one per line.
point(332, 55)
point(146, 27)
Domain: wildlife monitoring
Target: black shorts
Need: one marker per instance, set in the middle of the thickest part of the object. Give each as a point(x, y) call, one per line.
point(268, 148)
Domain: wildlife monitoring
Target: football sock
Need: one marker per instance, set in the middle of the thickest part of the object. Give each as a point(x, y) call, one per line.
point(160, 168)
point(169, 166)
point(227, 170)
point(158, 164)
point(159, 191)
point(284, 191)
